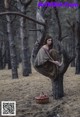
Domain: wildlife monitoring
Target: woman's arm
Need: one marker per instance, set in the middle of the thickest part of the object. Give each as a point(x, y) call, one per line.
point(56, 62)
point(48, 54)
point(51, 59)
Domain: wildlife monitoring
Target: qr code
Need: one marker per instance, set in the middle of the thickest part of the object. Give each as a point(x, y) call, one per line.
point(8, 108)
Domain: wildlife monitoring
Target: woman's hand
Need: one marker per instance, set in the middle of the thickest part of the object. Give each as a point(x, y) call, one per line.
point(57, 63)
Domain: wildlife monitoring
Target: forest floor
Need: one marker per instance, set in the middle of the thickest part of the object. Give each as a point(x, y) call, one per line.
point(24, 90)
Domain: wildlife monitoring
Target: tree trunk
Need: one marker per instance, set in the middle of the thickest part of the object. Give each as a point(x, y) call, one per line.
point(1, 54)
point(73, 52)
point(8, 56)
point(78, 50)
point(73, 45)
point(12, 49)
point(78, 41)
point(57, 84)
point(1, 60)
point(57, 87)
point(78, 61)
point(24, 44)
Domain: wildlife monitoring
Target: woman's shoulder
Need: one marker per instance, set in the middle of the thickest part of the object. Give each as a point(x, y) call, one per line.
point(44, 47)
point(41, 49)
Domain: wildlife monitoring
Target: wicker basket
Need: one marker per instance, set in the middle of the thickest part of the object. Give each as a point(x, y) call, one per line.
point(42, 99)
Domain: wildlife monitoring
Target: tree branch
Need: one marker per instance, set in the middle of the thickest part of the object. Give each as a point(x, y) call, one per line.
point(59, 25)
point(26, 4)
point(22, 15)
point(64, 37)
point(68, 22)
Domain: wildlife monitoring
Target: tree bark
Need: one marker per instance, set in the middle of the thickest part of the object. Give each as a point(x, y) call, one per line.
point(8, 55)
point(24, 45)
point(1, 60)
point(78, 41)
point(12, 49)
point(78, 50)
point(13, 55)
point(57, 84)
point(57, 87)
point(73, 44)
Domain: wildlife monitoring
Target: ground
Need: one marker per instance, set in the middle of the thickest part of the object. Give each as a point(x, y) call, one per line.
point(24, 90)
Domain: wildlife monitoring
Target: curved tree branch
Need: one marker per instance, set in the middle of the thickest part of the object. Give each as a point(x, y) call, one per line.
point(22, 15)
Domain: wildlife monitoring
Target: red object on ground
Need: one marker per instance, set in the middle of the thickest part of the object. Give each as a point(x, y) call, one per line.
point(42, 99)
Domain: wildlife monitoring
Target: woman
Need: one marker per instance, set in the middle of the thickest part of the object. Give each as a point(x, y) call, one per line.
point(47, 59)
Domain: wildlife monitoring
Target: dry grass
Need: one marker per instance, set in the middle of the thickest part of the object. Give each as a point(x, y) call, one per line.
point(24, 90)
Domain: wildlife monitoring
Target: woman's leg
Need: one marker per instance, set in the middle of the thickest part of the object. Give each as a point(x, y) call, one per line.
point(54, 54)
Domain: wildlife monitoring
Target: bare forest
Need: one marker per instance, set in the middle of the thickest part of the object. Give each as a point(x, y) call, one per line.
point(23, 29)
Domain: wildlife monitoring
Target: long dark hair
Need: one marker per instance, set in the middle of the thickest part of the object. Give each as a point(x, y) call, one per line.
point(45, 41)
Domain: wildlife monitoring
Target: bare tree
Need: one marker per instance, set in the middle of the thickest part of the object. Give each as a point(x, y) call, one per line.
point(26, 66)
point(57, 85)
point(11, 42)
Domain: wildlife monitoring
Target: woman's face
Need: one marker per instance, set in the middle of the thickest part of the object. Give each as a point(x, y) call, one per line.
point(49, 41)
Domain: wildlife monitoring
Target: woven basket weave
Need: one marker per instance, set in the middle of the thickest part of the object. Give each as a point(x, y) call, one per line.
point(42, 99)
